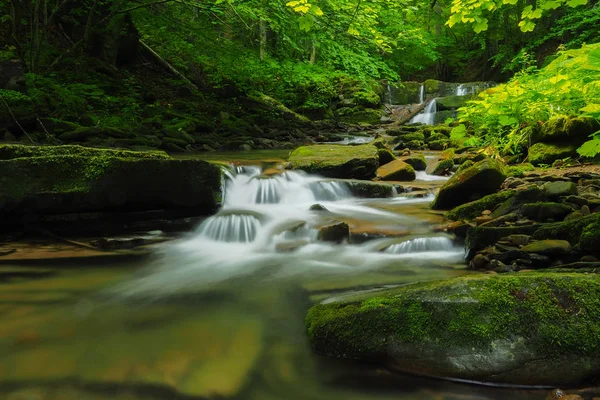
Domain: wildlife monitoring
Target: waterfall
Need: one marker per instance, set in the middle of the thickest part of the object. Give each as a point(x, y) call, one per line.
point(462, 90)
point(427, 116)
point(240, 228)
point(387, 97)
point(422, 245)
point(421, 94)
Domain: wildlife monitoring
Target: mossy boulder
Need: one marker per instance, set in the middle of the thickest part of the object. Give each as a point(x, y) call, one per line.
point(451, 102)
point(385, 156)
point(263, 102)
point(337, 161)
point(547, 153)
point(441, 167)
point(367, 99)
point(511, 329)
point(403, 92)
point(396, 170)
point(483, 178)
point(519, 170)
point(543, 211)
point(72, 179)
point(371, 190)
point(408, 137)
point(359, 114)
point(566, 129)
point(474, 209)
point(417, 161)
point(441, 144)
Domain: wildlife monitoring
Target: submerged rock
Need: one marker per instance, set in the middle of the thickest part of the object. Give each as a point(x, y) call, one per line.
point(417, 161)
point(71, 179)
point(337, 161)
point(511, 329)
point(483, 178)
point(336, 232)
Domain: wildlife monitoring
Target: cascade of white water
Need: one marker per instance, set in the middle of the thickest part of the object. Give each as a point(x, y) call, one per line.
point(421, 94)
point(420, 245)
point(427, 116)
point(462, 90)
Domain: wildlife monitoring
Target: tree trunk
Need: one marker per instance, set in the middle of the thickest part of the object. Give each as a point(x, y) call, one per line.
point(313, 52)
point(262, 26)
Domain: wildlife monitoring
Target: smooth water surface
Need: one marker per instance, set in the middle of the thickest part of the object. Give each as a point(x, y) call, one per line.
point(219, 313)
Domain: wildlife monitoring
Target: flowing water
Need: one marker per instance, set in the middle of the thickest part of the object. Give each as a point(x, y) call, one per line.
point(427, 116)
point(219, 313)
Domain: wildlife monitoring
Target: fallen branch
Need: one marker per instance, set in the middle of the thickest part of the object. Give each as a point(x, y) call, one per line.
point(15, 119)
point(166, 64)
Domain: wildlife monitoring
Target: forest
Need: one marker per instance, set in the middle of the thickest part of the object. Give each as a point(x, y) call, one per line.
point(299, 199)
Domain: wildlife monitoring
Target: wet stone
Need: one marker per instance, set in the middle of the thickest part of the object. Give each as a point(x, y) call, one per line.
point(585, 210)
point(519, 240)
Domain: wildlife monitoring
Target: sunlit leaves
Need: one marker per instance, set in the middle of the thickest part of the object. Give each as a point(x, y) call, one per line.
point(591, 148)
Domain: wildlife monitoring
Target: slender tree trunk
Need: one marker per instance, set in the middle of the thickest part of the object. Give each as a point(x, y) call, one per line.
point(313, 52)
point(262, 26)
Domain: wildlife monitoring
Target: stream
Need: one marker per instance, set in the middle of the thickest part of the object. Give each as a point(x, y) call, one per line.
point(219, 312)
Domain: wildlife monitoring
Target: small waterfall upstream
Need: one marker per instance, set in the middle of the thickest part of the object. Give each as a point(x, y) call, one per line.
point(427, 116)
point(421, 94)
point(272, 223)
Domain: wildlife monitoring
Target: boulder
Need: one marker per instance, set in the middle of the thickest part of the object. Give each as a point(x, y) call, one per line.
point(416, 161)
point(337, 161)
point(511, 328)
point(547, 153)
point(566, 129)
point(396, 170)
point(451, 102)
point(336, 232)
point(560, 188)
point(441, 167)
point(385, 156)
point(371, 190)
point(473, 209)
point(40, 180)
point(483, 178)
point(543, 211)
point(548, 247)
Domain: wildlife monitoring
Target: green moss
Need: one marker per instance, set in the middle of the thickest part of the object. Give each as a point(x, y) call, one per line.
point(466, 164)
point(451, 102)
point(473, 209)
point(385, 156)
point(432, 86)
point(557, 314)
point(412, 136)
point(518, 171)
point(357, 115)
point(442, 167)
point(582, 231)
point(337, 161)
point(566, 129)
point(542, 211)
point(439, 144)
point(417, 161)
point(10, 151)
point(547, 153)
point(368, 99)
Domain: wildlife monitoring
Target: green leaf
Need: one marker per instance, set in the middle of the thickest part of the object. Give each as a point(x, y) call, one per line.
point(480, 26)
point(591, 148)
point(527, 25)
point(505, 120)
point(575, 3)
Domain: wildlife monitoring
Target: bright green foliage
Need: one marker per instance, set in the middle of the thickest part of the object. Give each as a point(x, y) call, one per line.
point(476, 13)
point(569, 85)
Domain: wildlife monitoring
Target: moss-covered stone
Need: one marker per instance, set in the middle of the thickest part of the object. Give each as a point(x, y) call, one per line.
point(357, 115)
point(70, 179)
point(547, 153)
point(385, 156)
point(337, 161)
point(543, 211)
point(518, 171)
point(466, 164)
point(417, 161)
point(451, 102)
point(433, 86)
point(396, 170)
point(441, 167)
point(502, 329)
point(371, 190)
point(441, 144)
point(407, 137)
point(566, 129)
point(474, 209)
point(483, 178)
point(368, 99)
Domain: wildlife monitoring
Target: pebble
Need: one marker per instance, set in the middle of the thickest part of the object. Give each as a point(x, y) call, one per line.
point(585, 210)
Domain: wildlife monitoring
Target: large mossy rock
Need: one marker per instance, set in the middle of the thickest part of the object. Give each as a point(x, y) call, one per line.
point(566, 129)
point(532, 328)
point(547, 153)
point(72, 179)
point(451, 102)
point(396, 170)
point(483, 178)
point(337, 161)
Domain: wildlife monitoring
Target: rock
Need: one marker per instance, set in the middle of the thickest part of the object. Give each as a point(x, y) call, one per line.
point(451, 102)
point(548, 247)
point(573, 215)
point(483, 178)
point(545, 153)
point(566, 129)
point(519, 240)
point(417, 161)
point(580, 201)
point(543, 211)
point(585, 210)
point(72, 179)
point(396, 170)
point(385, 156)
point(336, 232)
point(488, 328)
point(474, 208)
point(479, 261)
point(414, 136)
point(317, 207)
point(372, 190)
point(337, 161)
point(439, 144)
point(440, 167)
point(559, 188)
point(465, 165)
point(486, 212)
